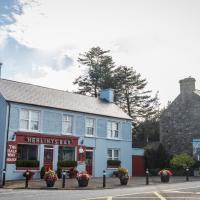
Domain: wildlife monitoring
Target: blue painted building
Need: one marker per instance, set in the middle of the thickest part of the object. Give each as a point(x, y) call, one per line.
point(41, 126)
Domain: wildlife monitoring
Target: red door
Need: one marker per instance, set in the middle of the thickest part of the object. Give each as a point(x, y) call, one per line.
point(48, 157)
point(138, 166)
point(89, 161)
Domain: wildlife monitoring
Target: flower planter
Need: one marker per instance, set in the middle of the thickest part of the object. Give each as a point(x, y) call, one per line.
point(83, 182)
point(50, 183)
point(124, 180)
point(50, 177)
point(164, 179)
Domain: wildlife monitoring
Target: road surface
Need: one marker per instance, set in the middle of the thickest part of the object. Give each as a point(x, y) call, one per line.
point(186, 190)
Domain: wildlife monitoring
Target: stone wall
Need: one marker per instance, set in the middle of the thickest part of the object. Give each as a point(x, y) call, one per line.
point(180, 123)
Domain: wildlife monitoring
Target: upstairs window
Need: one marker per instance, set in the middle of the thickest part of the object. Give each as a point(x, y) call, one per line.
point(90, 125)
point(67, 124)
point(29, 120)
point(113, 130)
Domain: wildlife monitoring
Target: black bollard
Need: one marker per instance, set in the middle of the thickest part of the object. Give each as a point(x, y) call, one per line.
point(147, 177)
point(4, 177)
point(63, 179)
point(104, 178)
point(26, 182)
point(187, 174)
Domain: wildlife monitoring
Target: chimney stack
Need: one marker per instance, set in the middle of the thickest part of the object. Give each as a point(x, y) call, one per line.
point(187, 85)
point(107, 95)
point(0, 68)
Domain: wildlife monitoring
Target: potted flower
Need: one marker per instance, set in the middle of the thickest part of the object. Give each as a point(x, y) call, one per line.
point(164, 175)
point(50, 177)
point(83, 179)
point(123, 175)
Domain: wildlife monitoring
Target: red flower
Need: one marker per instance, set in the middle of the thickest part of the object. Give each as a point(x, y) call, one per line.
point(83, 175)
point(165, 172)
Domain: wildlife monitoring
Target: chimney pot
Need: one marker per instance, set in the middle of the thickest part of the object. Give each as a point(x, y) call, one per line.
point(187, 85)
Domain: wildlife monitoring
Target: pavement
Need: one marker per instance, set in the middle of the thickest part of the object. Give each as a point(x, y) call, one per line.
point(95, 183)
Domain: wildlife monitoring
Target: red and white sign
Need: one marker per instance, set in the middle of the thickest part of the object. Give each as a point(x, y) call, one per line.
point(37, 138)
point(11, 152)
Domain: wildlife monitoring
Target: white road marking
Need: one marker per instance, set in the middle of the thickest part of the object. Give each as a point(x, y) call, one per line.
point(181, 188)
point(159, 196)
point(137, 197)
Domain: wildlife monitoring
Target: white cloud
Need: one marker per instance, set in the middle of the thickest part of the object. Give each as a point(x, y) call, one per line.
point(3, 37)
point(160, 39)
point(47, 77)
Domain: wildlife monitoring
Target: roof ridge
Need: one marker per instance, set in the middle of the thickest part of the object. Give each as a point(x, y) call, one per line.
point(25, 83)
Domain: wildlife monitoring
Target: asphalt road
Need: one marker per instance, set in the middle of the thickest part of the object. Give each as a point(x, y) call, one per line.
point(187, 190)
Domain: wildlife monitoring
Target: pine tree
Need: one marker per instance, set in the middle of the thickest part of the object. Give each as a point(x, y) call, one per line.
point(99, 74)
point(130, 88)
point(132, 96)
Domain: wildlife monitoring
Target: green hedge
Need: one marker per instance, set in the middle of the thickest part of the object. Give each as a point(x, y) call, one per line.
point(67, 163)
point(27, 163)
point(114, 163)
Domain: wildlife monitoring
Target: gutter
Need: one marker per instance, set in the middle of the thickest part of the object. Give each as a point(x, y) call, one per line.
point(75, 111)
point(8, 127)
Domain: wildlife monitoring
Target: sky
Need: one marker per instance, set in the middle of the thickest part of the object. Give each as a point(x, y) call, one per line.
point(40, 40)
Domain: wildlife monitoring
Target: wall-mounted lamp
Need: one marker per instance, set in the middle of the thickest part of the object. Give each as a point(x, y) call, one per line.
point(13, 136)
point(82, 141)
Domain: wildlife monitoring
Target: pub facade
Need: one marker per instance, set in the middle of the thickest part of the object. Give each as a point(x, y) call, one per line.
point(41, 127)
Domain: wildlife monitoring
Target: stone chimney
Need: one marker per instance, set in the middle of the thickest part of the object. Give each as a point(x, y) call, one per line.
point(187, 85)
point(107, 95)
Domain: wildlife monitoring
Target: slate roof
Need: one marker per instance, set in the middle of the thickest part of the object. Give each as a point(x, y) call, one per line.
point(197, 92)
point(41, 96)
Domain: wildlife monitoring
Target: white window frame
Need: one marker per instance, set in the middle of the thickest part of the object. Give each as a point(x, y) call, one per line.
point(111, 132)
point(29, 119)
point(67, 121)
point(113, 154)
point(86, 127)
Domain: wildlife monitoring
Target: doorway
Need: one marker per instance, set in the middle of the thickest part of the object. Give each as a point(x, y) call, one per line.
point(138, 168)
point(48, 157)
point(89, 160)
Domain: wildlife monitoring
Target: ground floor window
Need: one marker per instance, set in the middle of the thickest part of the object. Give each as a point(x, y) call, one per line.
point(27, 156)
point(66, 153)
point(113, 158)
point(27, 152)
point(113, 154)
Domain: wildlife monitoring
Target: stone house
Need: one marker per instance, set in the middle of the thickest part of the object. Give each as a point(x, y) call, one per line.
point(180, 122)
